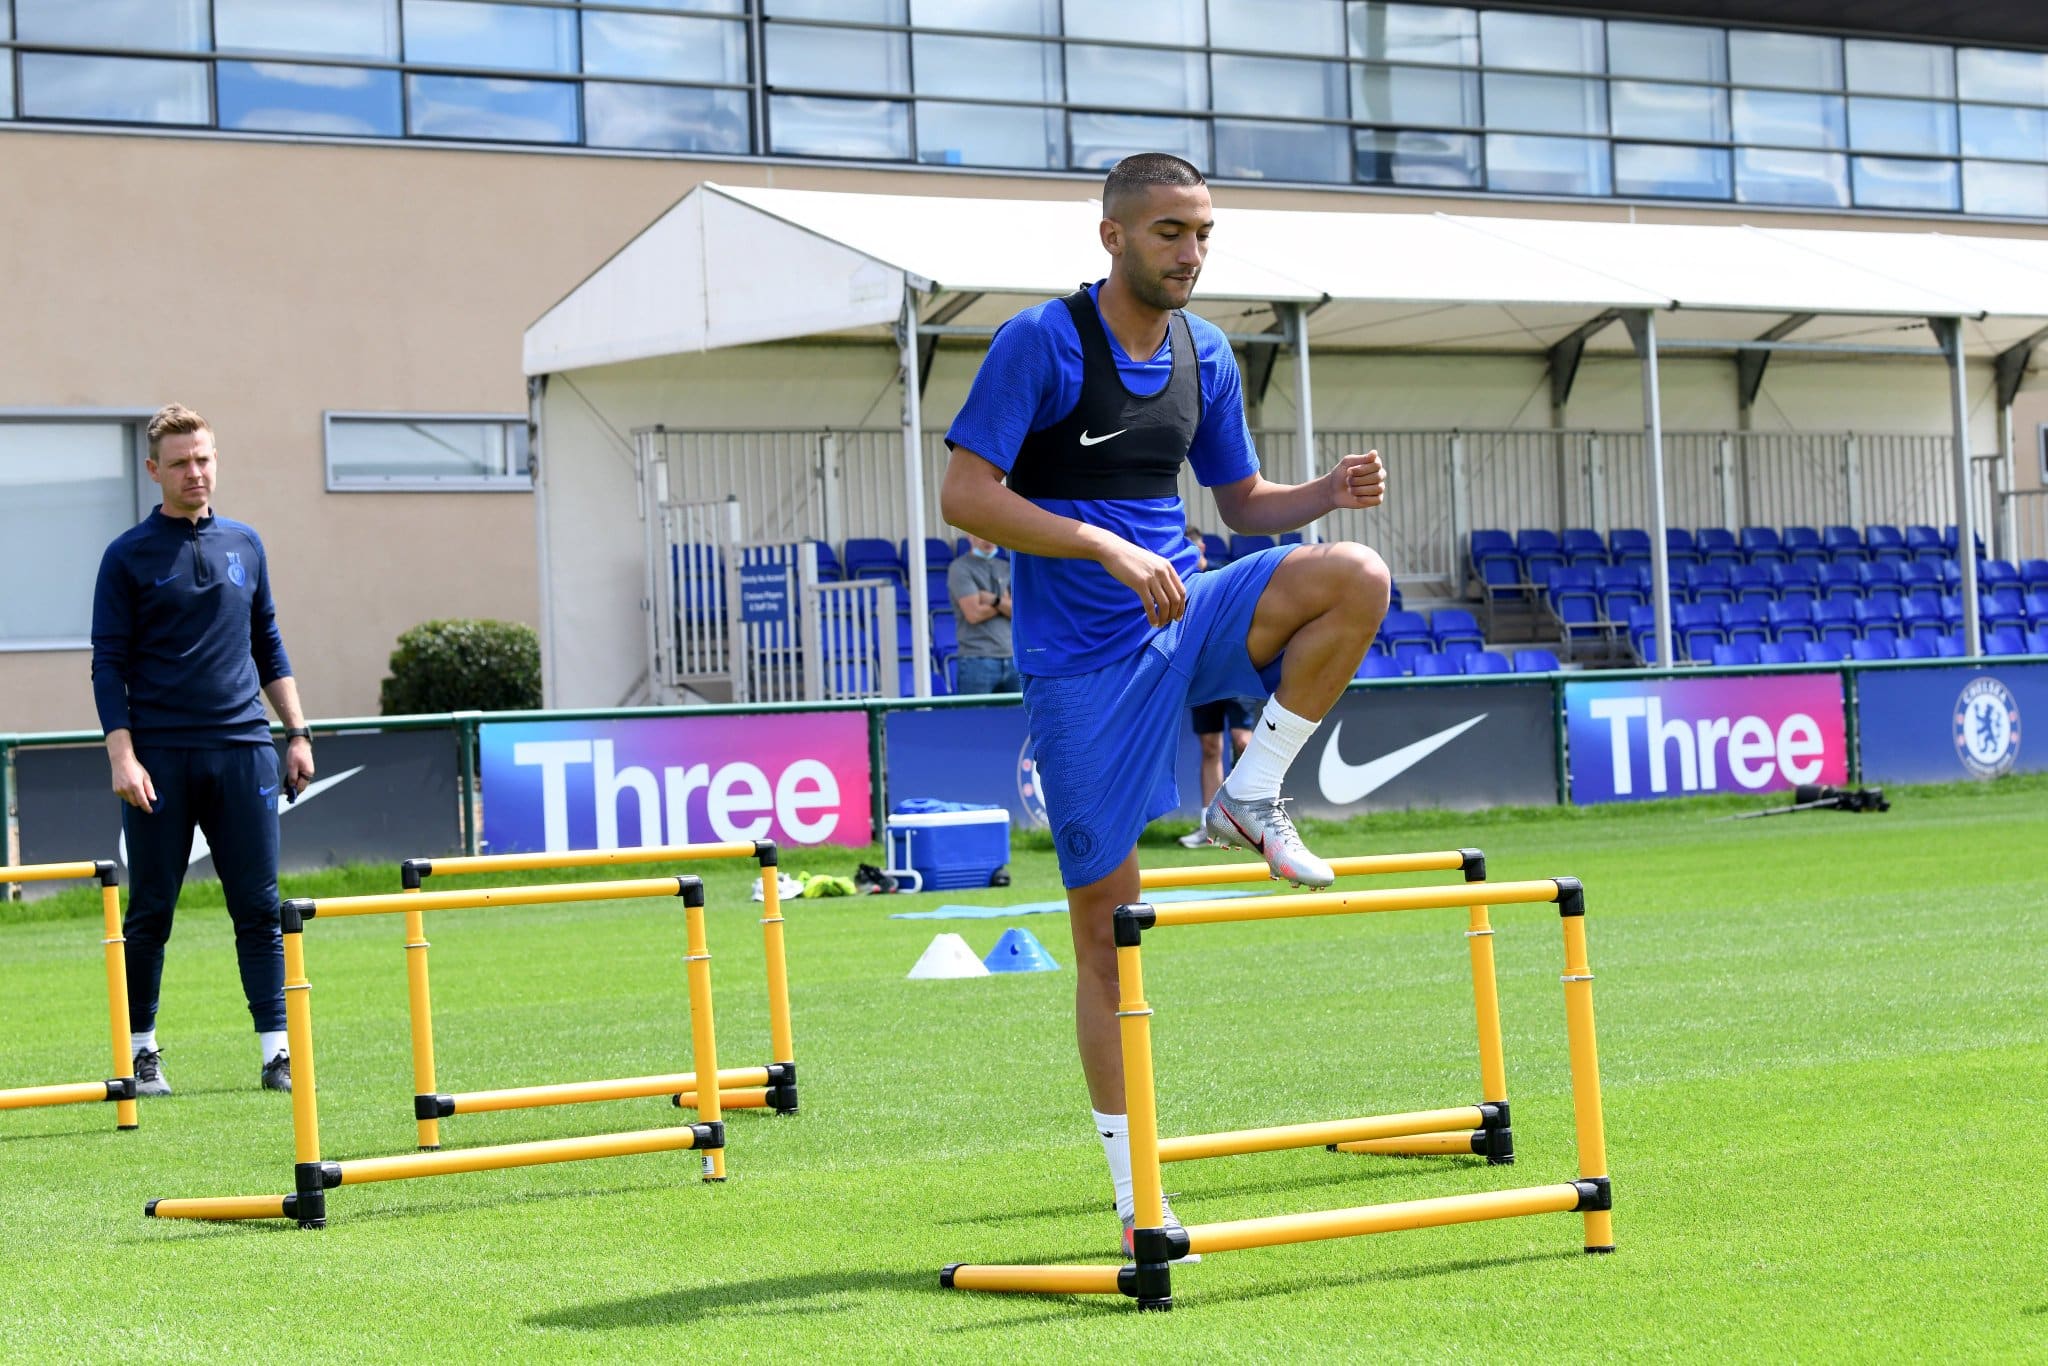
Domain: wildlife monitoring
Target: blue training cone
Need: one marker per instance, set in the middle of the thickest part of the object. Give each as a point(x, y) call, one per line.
point(1019, 951)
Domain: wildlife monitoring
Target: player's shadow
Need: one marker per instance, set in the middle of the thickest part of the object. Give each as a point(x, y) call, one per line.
point(813, 1292)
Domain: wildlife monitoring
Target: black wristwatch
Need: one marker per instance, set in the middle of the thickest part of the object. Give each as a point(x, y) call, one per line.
point(298, 733)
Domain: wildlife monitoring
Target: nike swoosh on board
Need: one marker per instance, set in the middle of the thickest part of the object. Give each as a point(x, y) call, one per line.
point(1088, 440)
point(1344, 783)
point(201, 849)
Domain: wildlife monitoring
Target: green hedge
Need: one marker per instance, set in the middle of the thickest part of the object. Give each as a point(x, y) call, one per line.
point(463, 666)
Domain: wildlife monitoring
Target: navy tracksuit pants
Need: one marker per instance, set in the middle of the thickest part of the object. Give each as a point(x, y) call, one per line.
point(231, 795)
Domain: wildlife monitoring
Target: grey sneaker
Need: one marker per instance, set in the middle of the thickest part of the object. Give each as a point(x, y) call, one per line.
point(1263, 828)
point(149, 1074)
point(1197, 838)
point(277, 1073)
point(1170, 1220)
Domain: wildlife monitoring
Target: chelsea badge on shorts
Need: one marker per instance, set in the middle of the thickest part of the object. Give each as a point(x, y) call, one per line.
point(1987, 728)
point(237, 575)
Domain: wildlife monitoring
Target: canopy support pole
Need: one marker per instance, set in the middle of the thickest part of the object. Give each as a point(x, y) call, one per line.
point(913, 499)
point(1949, 332)
point(1304, 409)
point(1642, 329)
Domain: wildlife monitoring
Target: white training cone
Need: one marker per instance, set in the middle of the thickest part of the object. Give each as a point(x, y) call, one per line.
point(948, 956)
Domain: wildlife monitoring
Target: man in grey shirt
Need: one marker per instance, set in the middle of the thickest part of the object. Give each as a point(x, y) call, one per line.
point(979, 585)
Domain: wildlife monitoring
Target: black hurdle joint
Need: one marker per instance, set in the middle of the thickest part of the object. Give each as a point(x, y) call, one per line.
point(766, 851)
point(782, 1087)
point(1149, 1283)
point(708, 1136)
point(1595, 1193)
point(1474, 866)
point(1131, 923)
point(433, 1107)
point(104, 869)
point(1571, 896)
point(121, 1088)
point(414, 871)
point(308, 1202)
point(946, 1275)
point(1159, 1244)
point(691, 890)
point(1494, 1140)
point(149, 1210)
point(294, 912)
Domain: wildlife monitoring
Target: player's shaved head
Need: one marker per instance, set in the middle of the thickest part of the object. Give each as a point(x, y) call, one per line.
point(1131, 179)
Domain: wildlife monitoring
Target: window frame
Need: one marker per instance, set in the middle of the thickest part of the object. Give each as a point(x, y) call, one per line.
point(136, 420)
point(506, 483)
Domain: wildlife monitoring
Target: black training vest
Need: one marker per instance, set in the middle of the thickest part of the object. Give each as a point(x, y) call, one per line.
point(1115, 444)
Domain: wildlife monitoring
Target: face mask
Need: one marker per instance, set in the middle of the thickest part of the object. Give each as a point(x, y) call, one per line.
point(983, 554)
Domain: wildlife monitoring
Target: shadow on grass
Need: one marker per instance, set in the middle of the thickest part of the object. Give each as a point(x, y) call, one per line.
point(1403, 1166)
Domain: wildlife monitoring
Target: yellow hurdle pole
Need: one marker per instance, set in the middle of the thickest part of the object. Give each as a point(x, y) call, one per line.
point(49, 872)
point(1351, 903)
point(420, 1009)
point(310, 1176)
point(1035, 1280)
point(1350, 1223)
point(582, 1092)
point(63, 1093)
point(781, 1040)
point(746, 1098)
point(703, 1030)
point(220, 1207)
point(114, 943)
point(586, 858)
point(1499, 1141)
point(1213, 874)
point(1152, 1252)
point(1585, 1060)
point(1463, 1143)
point(1316, 1135)
point(477, 898)
point(407, 1166)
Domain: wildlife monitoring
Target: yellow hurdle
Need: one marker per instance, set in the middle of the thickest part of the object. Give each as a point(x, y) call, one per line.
point(314, 1176)
point(1149, 1279)
point(743, 1088)
point(120, 1087)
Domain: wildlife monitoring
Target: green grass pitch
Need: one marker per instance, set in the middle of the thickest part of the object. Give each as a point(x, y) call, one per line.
point(1824, 1041)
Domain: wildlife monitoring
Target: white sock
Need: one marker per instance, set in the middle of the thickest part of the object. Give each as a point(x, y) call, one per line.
point(145, 1041)
point(1276, 739)
point(271, 1042)
point(1115, 1133)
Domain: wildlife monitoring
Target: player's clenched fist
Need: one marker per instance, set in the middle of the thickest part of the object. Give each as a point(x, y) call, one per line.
point(1359, 481)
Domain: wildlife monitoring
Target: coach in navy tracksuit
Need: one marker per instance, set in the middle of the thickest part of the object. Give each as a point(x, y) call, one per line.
point(184, 648)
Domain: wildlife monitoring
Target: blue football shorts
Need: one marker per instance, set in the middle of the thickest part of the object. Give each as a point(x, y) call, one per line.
point(1104, 742)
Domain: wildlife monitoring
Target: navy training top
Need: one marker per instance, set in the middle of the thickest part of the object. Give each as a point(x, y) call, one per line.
point(184, 634)
point(1072, 616)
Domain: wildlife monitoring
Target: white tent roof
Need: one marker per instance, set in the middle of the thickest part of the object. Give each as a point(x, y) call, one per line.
point(729, 266)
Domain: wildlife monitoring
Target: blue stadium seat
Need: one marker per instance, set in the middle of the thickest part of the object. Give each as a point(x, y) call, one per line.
point(1620, 588)
point(1837, 620)
point(1292, 538)
point(937, 553)
point(1215, 550)
point(1922, 540)
point(2034, 574)
point(1434, 666)
point(1535, 662)
point(1792, 622)
point(1824, 652)
point(1753, 580)
point(829, 569)
point(2003, 607)
point(1951, 540)
point(1408, 651)
point(2037, 642)
point(1948, 647)
point(1570, 581)
point(1797, 582)
point(1679, 547)
point(1711, 583)
point(1920, 574)
point(1696, 627)
point(1912, 647)
point(1490, 547)
point(1997, 574)
point(1797, 538)
point(1539, 549)
point(1378, 666)
point(1405, 628)
point(1450, 626)
point(1782, 652)
point(1580, 622)
point(1883, 647)
point(1879, 621)
point(1841, 580)
point(1747, 622)
point(1843, 543)
point(2005, 641)
point(1629, 545)
point(1717, 545)
point(1241, 546)
point(1484, 662)
point(870, 557)
point(1501, 581)
point(1763, 546)
point(1584, 547)
point(1741, 654)
point(2036, 605)
point(1883, 536)
point(1924, 617)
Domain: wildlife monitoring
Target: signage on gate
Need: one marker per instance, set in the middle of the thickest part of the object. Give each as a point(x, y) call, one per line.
point(764, 592)
point(1679, 737)
point(1938, 725)
point(550, 785)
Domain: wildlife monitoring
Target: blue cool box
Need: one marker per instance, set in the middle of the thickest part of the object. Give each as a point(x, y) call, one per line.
point(951, 844)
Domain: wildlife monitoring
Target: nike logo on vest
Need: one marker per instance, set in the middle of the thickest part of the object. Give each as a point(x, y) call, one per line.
point(1088, 440)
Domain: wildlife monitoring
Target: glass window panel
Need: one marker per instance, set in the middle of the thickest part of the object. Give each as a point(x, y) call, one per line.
point(1273, 85)
point(838, 59)
point(1770, 176)
point(1388, 156)
point(1317, 152)
point(1984, 73)
point(710, 6)
point(667, 118)
point(1415, 33)
point(278, 97)
point(663, 47)
point(1313, 28)
point(1991, 130)
point(805, 125)
point(1997, 187)
point(989, 16)
point(1672, 172)
point(489, 109)
point(1545, 104)
point(1645, 109)
point(1410, 94)
point(382, 451)
point(1146, 78)
point(1546, 165)
point(1097, 142)
point(66, 489)
point(986, 68)
point(1778, 118)
point(852, 11)
point(318, 28)
point(1797, 59)
point(6, 85)
point(990, 135)
point(1896, 183)
point(1546, 42)
point(1678, 52)
point(117, 89)
point(510, 37)
point(6, 19)
point(1138, 21)
point(181, 25)
point(1902, 126)
point(1900, 68)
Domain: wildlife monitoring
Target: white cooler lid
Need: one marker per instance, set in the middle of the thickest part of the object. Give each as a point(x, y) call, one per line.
point(995, 815)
